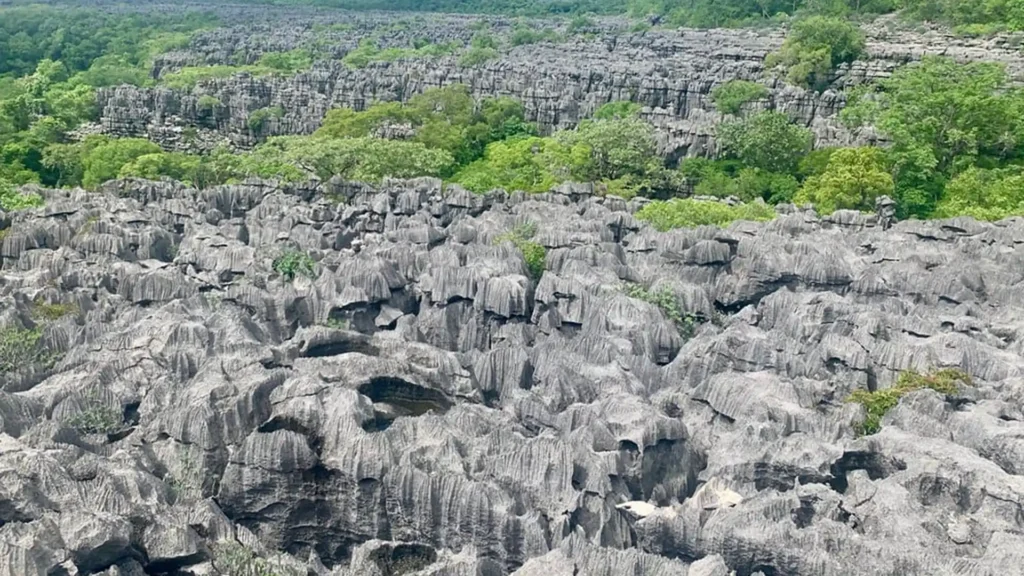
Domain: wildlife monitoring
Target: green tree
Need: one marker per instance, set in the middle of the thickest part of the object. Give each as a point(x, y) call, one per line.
point(618, 148)
point(815, 47)
point(853, 179)
point(941, 118)
point(767, 141)
point(104, 162)
point(617, 110)
point(530, 164)
point(985, 194)
point(730, 96)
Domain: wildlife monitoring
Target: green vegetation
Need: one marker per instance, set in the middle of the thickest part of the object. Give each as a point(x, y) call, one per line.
point(669, 305)
point(852, 179)
point(234, 558)
point(534, 254)
point(292, 263)
point(878, 403)
point(476, 56)
point(97, 417)
point(259, 117)
point(690, 213)
point(43, 310)
point(208, 103)
point(82, 38)
point(12, 200)
point(766, 141)
point(186, 483)
point(732, 13)
point(730, 96)
point(20, 347)
point(368, 51)
point(523, 35)
point(815, 47)
point(952, 127)
point(617, 110)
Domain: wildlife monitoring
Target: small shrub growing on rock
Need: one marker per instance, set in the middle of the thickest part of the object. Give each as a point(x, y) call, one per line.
point(235, 559)
point(534, 254)
point(208, 102)
point(46, 311)
point(291, 263)
point(878, 403)
point(186, 485)
point(259, 117)
point(732, 95)
point(98, 418)
point(666, 300)
point(20, 347)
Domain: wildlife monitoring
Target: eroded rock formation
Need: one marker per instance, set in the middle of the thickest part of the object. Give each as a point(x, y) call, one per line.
point(421, 405)
point(672, 73)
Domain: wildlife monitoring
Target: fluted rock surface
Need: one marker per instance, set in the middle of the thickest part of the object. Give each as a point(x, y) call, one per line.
point(420, 404)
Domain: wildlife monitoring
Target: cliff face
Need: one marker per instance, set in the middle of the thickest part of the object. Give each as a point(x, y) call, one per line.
point(420, 402)
point(671, 73)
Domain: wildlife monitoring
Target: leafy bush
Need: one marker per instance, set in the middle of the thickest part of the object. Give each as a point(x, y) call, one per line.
point(534, 254)
point(669, 305)
point(98, 418)
point(732, 95)
point(207, 102)
point(43, 310)
point(103, 158)
point(235, 559)
point(878, 403)
point(530, 164)
point(690, 213)
point(477, 56)
point(580, 24)
point(853, 179)
point(368, 51)
point(767, 140)
point(288, 62)
point(21, 347)
point(618, 148)
point(941, 118)
point(523, 35)
point(12, 200)
point(815, 47)
point(618, 110)
point(259, 117)
point(484, 40)
point(985, 194)
point(292, 263)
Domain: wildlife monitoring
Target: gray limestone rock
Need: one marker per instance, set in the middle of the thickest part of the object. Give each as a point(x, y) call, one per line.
point(424, 407)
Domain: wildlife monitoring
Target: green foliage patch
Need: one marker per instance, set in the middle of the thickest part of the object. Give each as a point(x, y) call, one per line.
point(534, 254)
point(20, 347)
point(730, 96)
point(292, 263)
point(878, 403)
point(668, 303)
point(815, 47)
point(689, 213)
point(98, 418)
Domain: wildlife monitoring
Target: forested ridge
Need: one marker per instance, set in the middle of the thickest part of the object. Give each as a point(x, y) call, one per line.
point(953, 131)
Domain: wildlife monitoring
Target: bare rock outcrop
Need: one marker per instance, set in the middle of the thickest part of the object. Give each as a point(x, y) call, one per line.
point(418, 404)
